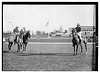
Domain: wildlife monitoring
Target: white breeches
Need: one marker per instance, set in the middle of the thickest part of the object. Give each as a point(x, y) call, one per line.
point(79, 33)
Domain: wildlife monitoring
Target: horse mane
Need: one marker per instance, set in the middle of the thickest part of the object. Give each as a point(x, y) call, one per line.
point(74, 35)
point(26, 35)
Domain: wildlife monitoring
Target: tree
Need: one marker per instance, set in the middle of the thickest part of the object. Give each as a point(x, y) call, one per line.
point(66, 31)
point(38, 32)
point(44, 33)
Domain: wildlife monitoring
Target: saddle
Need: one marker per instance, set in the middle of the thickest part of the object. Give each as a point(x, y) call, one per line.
point(16, 37)
point(78, 38)
point(15, 40)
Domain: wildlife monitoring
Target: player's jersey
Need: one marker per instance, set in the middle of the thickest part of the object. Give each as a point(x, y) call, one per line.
point(21, 31)
point(78, 29)
point(15, 31)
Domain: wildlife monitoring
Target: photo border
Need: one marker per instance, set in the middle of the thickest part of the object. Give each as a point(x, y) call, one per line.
point(95, 56)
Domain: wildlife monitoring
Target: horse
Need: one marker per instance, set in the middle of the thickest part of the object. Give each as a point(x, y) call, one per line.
point(15, 39)
point(25, 40)
point(76, 41)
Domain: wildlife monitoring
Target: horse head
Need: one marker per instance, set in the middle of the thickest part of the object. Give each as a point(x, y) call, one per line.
point(73, 31)
point(74, 35)
point(27, 35)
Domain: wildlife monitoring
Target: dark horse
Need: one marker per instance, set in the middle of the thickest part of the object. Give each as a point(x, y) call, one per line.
point(25, 40)
point(76, 41)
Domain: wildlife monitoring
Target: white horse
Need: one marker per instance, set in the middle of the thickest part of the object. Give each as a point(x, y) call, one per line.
point(11, 41)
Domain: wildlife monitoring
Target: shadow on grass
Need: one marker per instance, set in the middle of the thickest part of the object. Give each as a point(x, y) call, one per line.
point(5, 51)
point(50, 54)
point(31, 54)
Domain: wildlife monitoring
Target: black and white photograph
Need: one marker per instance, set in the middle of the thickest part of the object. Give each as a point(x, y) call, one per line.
point(49, 36)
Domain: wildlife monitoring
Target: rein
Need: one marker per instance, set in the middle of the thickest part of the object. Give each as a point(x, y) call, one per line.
point(25, 37)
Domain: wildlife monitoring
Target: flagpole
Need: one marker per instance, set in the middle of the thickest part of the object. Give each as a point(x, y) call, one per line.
point(46, 27)
point(11, 24)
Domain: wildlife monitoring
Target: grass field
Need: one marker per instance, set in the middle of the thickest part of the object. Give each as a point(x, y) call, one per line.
point(47, 57)
point(43, 39)
point(50, 40)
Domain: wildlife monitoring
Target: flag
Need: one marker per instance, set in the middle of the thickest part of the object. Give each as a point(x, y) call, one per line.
point(47, 24)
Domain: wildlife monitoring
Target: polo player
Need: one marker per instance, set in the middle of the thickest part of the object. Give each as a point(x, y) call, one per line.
point(78, 31)
point(16, 32)
point(21, 33)
point(24, 30)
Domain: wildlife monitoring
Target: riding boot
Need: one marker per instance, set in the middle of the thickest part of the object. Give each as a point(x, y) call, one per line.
point(79, 39)
point(15, 41)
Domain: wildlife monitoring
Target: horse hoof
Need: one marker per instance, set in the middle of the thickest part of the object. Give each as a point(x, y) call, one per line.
point(18, 51)
point(24, 51)
point(82, 53)
point(86, 53)
point(9, 51)
point(75, 54)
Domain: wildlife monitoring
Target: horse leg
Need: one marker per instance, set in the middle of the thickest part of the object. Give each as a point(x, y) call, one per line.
point(85, 46)
point(14, 41)
point(18, 50)
point(25, 46)
point(76, 49)
point(81, 48)
point(20, 46)
point(9, 46)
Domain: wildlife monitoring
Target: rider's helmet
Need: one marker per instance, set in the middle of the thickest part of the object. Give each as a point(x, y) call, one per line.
point(78, 25)
point(17, 27)
point(21, 31)
point(24, 28)
point(16, 30)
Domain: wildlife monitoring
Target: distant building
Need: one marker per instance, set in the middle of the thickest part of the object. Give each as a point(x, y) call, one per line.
point(56, 33)
point(86, 30)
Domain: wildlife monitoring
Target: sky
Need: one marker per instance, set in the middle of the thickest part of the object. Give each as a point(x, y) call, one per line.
point(46, 17)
